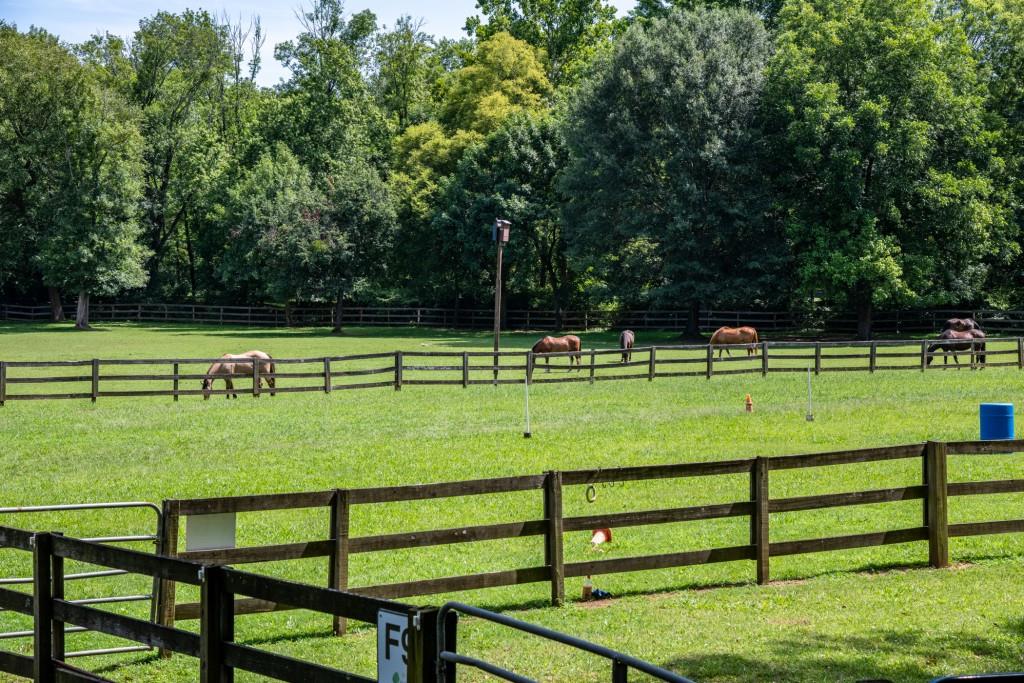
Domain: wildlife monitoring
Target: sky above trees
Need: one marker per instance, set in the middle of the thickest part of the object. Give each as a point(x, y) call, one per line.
point(75, 21)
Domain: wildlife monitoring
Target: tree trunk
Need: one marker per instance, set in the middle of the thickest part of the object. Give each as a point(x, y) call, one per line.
point(693, 320)
point(82, 315)
point(339, 311)
point(56, 308)
point(288, 313)
point(864, 312)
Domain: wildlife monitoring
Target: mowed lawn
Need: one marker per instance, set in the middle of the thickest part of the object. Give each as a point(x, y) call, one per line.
point(844, 616)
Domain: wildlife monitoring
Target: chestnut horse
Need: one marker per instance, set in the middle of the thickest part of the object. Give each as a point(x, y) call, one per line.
point(735, 335)
point(956, 340)
point(227, 370)
point(626, 340)
point(568, 344)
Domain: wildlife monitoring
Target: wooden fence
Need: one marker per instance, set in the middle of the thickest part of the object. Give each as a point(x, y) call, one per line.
point(214, 645)
point(708, 320)
point(106, 378)
point(549, 524)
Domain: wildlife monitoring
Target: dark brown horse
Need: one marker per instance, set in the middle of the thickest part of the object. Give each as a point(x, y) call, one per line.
point(961, 324)
point(626, 340)
point(952, 341)
point(568, 344)
point(735, 336)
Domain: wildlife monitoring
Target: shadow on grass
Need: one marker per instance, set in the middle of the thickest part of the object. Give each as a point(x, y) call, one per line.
point(892, 654)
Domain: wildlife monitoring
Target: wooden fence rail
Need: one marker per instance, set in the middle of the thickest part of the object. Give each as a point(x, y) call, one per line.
point(898, 322)
point(106, 378)
point(214, 645)
point(549, 524)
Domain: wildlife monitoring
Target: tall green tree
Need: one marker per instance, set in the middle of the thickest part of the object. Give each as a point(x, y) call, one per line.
point(326, 113)
point(995, 31)
point(405, 72)
point(768, 10)
point(885, 163)
point(569, 32)
point(71, 159)
point(179, 64)
point(513, 175)
point(502, 77)
point(666, 202)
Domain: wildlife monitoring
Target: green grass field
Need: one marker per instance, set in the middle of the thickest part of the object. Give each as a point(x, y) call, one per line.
point(859, 614)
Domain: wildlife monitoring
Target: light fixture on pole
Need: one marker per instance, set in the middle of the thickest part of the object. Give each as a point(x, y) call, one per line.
point(499, 233)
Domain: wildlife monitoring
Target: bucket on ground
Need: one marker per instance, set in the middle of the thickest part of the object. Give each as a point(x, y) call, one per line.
point(996, 421)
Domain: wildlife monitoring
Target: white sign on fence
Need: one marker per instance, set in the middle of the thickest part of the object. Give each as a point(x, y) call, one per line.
point(392, 647)
point(210, 532)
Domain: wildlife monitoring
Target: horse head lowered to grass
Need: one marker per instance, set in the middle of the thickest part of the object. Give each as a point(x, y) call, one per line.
point(227, 369)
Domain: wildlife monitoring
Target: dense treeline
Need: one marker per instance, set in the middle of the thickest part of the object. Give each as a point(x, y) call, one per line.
point(785, 153)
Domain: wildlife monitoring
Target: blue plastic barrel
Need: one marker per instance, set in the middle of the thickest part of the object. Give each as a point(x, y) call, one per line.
point(996, 421)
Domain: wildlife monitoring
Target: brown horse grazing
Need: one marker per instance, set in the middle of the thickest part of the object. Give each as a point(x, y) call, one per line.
point(567, 344)
point(226, 370)
point(735, 335)
point(955, 340)
point(961, 324)
point(626, 340)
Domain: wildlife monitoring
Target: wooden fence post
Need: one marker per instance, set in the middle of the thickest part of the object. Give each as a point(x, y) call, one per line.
point(43, 668)
point(593, 365)
point(3, 383)
point(651, 365)
point(95, 379)
point(873, 357)
point(216, 626)
point(764, 359)
point(553, 555)
point(327, 375)
point(937, 507)
point(175, 386)
point(57, 591)
point(422, 647)
point(337, 574)
point(817, 358)
point(255, 378)
point(924, 354)
point(1020, 364)
point(759, 518)
point(710, 361)
point(465, 368)
point(398, 370)
point(167, 546)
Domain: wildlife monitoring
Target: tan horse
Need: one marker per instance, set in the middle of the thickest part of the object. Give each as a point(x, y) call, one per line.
point(227, 370)
point(567, 344)
point(735, 335)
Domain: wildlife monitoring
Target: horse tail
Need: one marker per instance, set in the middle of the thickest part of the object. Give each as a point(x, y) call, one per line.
point(533, 349)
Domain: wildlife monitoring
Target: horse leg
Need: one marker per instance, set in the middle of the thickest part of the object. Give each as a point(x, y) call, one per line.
point(231, 388)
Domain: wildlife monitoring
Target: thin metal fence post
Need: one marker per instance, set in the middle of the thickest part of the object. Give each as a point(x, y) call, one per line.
point(57, 582)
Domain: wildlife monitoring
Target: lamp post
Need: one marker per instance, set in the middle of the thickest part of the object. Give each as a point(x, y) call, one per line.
point(499, 232)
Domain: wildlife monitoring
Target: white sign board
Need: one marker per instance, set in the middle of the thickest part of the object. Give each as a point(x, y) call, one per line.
point(392, 647)
point(210, 532)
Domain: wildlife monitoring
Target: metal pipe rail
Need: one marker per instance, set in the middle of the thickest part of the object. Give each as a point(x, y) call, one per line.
point(621, 663)
point(124, 538)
